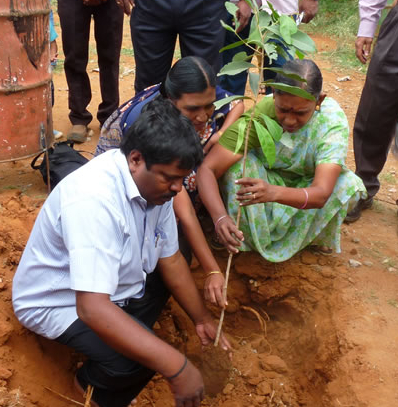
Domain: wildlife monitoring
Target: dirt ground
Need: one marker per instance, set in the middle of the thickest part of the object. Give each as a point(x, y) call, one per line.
point(312, 331)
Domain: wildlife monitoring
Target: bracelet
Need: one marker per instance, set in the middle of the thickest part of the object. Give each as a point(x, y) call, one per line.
point(218, 221)
point(220, 132)
point(179, 372)
point(213, 272)
point(306, 199)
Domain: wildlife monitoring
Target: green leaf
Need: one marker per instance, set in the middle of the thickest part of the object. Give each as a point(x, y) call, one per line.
point(273, 127)
point(255, 37)
point(254, 79)
point(270, 50)
point(232, 8)
point(287, 28)
point(233, 45)
point(294, 90)
point(241, 135)
point(275, 14)
point(288, 75)
point(264, 19)
point(303, 42)
point(220, 103)
point(227, 27)
point(235, 67)
point(286, 140)
point(266, 142)
point(299, 54)
point(253, 4)
point(241, 56)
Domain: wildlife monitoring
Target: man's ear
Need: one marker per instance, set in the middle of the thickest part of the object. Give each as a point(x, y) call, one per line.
point(135, 160)
point(321, 98)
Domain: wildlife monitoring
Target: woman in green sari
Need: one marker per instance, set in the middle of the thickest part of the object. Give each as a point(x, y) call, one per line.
point(303, 199)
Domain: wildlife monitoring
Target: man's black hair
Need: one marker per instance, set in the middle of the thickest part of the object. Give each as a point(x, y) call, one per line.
point(305, 68)
point(163, 135)
point(188, 75)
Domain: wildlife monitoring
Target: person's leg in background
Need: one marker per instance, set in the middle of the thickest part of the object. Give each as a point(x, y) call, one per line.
point(116, 379)
point(377, 113)
point(154, 39)
point(108, 30)
point(235, 84)
point(75, 21)
point(200, 31)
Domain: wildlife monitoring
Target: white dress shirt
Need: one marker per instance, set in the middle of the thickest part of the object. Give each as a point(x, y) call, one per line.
point(94, 233)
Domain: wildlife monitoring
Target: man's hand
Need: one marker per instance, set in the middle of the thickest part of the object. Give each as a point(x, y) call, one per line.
point(363, 46)
point(243, 14)
point(228, 234)
point(125, 5)
point(309, 8)
point(188, 387)
point(207, 332)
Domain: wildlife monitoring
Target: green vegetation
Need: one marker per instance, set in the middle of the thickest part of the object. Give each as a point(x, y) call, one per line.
point(338, 20)
point(127, 51)
point(59, 68)
point(388, 178)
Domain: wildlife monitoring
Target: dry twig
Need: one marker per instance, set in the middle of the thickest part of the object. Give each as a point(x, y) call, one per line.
point(64, 397)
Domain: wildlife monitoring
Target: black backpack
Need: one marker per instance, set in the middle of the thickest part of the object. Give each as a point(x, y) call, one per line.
point(63, 160)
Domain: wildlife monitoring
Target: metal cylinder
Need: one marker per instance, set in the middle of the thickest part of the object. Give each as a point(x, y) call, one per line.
point(25, 78)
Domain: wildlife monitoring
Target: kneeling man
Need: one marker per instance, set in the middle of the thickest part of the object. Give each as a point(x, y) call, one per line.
point(103, 258)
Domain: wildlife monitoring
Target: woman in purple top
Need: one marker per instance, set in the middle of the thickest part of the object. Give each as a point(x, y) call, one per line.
point(191, 85)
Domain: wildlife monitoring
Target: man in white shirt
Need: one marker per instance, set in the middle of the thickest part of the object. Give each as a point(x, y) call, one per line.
point(103, 258)
point(377, 113)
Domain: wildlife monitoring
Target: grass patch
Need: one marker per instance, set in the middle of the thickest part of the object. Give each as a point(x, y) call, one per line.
point(389, 178)
point(59, 68)
point(127, 51)
point(393, 303)
point(338, 20)
point(378, 207)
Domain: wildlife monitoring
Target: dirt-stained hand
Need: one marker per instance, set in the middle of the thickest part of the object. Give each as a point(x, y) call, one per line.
point(188, 387)
point(229, 235)
point(207, 332)
point(363, 46)
point(213, 289)
point(253, 191)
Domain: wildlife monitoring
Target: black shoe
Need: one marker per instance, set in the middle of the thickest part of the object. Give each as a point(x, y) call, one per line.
point(355, 213)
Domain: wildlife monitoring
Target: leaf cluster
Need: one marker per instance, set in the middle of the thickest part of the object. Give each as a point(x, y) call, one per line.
point(271, 35)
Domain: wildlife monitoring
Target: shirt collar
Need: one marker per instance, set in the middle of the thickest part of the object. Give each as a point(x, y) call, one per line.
point(130, 186)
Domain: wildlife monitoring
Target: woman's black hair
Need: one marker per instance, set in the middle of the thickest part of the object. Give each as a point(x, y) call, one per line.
point(188, 75)
point(163, 135)
point(306, 69)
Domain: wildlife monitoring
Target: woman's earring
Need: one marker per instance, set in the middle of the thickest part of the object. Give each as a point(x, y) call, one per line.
point(317, 108)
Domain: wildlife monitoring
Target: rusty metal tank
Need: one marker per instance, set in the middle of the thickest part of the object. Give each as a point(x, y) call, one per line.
point(25, 77)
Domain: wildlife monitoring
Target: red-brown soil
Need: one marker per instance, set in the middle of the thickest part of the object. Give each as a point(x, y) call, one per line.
point(312, 331)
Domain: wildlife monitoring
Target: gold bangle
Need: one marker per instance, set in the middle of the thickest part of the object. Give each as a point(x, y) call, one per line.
point(220, 132)
point(213, 272)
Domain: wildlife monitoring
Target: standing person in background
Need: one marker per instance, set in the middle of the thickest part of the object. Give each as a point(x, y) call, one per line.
point(154, 28)
point(377, 113)
point(236, 84)
point(75, 17)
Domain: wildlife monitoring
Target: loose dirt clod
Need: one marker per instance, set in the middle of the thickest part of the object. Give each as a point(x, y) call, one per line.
point(215, 368)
